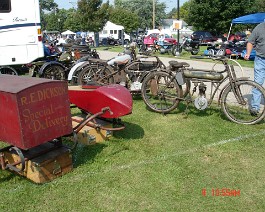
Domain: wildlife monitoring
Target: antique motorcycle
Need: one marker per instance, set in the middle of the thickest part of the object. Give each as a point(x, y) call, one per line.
point(162, 90)
point(125, 69)
point(58, 66)
point(189, 45)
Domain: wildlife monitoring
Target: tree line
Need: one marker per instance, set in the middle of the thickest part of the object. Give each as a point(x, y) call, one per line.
point(91, 15)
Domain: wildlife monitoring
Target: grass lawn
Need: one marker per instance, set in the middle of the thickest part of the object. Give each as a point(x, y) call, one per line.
point(157, 163)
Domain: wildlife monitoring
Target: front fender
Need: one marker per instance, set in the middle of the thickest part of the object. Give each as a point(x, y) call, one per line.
point(74, 69)
point(49, 64)
point(227, 85)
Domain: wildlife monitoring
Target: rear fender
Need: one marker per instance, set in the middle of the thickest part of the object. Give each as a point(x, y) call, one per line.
point(49, 64)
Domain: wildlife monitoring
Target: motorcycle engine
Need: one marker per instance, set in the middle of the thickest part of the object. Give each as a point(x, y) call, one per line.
point(201, 102)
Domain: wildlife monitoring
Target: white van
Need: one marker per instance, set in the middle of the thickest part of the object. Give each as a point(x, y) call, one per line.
point(20, 32)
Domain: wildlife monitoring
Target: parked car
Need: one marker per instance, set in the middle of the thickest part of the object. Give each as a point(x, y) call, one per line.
point(238, 36)
point(153, 37)
point(206, 37)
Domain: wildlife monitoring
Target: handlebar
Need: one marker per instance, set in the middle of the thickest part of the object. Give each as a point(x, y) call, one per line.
point(214, 57)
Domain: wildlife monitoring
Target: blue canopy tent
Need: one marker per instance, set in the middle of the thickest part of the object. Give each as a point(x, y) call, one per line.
point(250, 19)
point(255, 18)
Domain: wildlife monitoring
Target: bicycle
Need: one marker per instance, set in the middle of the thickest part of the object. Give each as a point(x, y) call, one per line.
point(163, 89)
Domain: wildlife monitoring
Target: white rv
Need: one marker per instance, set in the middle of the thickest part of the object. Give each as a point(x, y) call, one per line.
point(20, 32)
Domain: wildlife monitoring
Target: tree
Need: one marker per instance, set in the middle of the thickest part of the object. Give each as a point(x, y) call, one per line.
point(144, 10)
point(123, 17)
point(216, 15)
point(48, 5)
point(92, 14)
point(183, 12)
point(71, 21)
point(258, 6)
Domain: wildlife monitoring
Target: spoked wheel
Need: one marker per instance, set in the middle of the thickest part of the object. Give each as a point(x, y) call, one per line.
point(195, 50)
point(54, 72)
point(96, 74)
point(237, 111)
point(161, 92)
point(8, 70)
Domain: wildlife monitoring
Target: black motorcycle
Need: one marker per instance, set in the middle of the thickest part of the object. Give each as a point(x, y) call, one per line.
point(189, 45)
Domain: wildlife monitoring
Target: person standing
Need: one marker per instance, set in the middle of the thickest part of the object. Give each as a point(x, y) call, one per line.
point(257, 41)
point(83, 38)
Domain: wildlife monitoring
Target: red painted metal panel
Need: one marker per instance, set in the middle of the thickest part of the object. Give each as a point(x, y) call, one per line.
point(93, 99)
point(33, 111)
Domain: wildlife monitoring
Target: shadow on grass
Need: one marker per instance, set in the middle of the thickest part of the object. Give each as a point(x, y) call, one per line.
point(131, 131)
point(7, 176)
point(190, 110)
point(83, 153)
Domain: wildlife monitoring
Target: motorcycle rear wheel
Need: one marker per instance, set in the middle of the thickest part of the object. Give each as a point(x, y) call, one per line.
point(95, 74)
point(161, 92)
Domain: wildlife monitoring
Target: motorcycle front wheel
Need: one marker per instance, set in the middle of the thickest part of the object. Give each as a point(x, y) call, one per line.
point(239, 112)
point(195, 51)
point(54, 72)
point(8, 70)
point(176, 50)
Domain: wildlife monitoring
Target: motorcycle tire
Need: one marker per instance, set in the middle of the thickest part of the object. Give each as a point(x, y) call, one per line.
point(175, 50)
point(54, 72)
point(195, 51)
point(8, 70)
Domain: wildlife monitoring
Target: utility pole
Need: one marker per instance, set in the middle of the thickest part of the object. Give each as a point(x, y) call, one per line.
point(177, 53)
point(154, 14)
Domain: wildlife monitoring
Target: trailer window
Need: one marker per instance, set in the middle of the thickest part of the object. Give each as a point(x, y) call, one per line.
point(5, 6)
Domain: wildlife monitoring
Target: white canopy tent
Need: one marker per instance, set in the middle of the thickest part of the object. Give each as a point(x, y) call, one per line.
point(68, 32)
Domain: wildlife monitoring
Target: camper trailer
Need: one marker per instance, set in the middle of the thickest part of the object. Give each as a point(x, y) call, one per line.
point(20, 32)
point(111, 30)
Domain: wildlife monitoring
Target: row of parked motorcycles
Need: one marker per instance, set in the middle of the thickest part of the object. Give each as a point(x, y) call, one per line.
point(188, 44)
point(81, 65)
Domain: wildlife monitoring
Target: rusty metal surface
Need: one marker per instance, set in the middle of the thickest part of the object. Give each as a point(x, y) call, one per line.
point(33, 111)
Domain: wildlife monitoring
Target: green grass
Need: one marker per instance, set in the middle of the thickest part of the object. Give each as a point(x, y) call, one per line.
point(157, 163)
point(184, 55)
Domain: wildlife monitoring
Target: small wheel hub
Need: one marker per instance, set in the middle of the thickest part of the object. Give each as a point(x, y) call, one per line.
point(201, 103)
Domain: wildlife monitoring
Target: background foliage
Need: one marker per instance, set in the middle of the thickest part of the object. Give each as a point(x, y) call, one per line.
point(91, 15)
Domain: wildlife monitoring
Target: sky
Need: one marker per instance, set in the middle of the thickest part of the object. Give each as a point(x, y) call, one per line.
point(66, 4)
